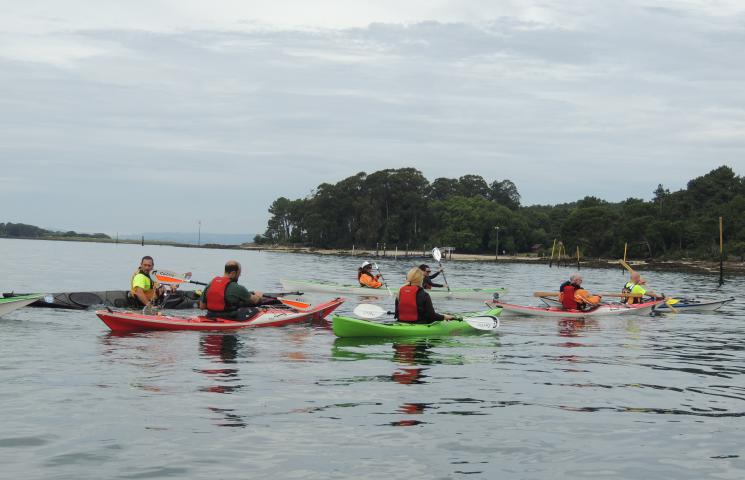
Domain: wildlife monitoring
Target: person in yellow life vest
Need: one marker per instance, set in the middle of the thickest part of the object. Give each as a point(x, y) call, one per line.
point(414, 305)
point(142, 287)
point(366, 277)
point(636, 291)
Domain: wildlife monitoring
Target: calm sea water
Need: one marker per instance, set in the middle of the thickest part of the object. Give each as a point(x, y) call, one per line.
point(634, 397)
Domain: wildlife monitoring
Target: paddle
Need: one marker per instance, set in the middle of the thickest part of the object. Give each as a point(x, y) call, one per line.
point(556, 294)
point(169, 277)
point(481, 322)
point(382, 278)
point(438, 256)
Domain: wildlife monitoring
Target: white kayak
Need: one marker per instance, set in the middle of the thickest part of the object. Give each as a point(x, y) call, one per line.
point(7, 305)
point(601, 310)
point(482, 294)
point(684, 305)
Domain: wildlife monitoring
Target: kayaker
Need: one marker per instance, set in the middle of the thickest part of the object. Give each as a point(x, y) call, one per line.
point(225, 298)
point(574, 297)
point(428, 283)
point(637, 293)
point(366, 277)
point(414, 304)
point(142, 287)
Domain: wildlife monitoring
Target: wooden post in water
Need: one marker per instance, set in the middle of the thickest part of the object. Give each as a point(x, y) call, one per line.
point(143, 241)
point(721, 252)
point(578, 257)
point(353, 249)
point(395, 255)
point(551, 260)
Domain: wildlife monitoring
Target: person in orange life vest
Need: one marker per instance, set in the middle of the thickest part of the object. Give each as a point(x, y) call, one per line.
point(573, 297)
point(428, 283)
point(413, 304)
point(225, 298)
point(366, 277)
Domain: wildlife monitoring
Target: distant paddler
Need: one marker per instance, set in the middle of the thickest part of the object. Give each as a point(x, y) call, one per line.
point(428, 276)
point(414, 304)
point(635, 292)
point(367, 278)
point(143, 288)
point(573, 297)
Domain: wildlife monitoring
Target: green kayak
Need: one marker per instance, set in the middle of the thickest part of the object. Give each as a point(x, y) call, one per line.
point(346, 327)
point(7, 305)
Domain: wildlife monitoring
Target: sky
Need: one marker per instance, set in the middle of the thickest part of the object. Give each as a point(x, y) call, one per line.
point(153, 115)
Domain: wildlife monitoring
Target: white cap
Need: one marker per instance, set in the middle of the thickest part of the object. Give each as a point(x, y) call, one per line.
point(365, 263)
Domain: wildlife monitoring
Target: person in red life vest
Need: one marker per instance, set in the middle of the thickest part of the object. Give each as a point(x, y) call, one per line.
point(574, 297)
point(413, 304)
point(428, 283)
point(225, 298)
point(566, 292)
point(366, 277)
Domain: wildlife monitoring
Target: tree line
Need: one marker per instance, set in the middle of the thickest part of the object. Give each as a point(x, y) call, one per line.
point(22, 230)
point(401, 207)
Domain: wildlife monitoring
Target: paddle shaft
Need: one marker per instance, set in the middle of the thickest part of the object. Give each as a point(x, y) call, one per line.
point(556, 294)
point(443, 275)
point(383, 278)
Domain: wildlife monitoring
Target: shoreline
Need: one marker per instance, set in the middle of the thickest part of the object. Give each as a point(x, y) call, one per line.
point(681, 265)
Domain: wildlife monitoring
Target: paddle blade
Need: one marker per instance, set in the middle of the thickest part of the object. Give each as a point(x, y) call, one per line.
point(367, 310)
point(162, 277)
point(436, 254)
point(670, 302)
point(294, 304)
point(483, 322)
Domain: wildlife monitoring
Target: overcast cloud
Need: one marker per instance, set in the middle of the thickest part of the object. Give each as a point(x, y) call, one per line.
point(143, 116)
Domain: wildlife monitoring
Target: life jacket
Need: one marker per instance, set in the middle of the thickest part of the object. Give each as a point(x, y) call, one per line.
point(567, 296)
point(629, 288)
point(427, 284)
point(216, 294)
point(407, 309)
point(583, 296)
point(368, 280)
point(149, 292)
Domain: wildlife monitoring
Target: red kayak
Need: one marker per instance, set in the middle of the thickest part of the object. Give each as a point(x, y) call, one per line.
point(267, 317)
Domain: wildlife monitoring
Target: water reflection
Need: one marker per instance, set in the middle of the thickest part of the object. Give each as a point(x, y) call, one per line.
point(223, 349)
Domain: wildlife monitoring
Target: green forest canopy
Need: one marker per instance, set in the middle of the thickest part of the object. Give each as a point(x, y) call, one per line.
point(401, 207)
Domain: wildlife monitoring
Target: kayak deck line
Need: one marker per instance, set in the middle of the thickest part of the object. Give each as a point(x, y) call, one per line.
point(349, 289)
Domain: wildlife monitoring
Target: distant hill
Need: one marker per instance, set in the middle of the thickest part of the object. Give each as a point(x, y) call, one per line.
point(23, 230)
point(191, 237)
